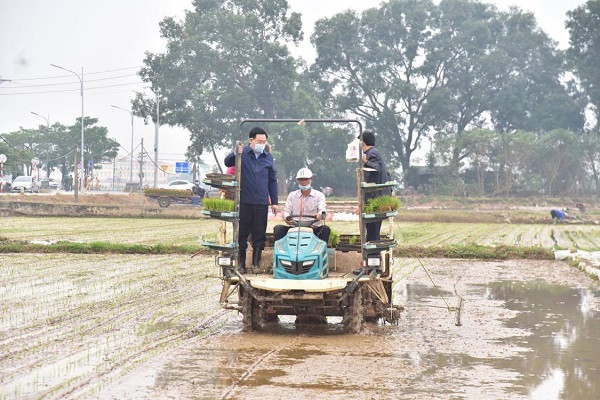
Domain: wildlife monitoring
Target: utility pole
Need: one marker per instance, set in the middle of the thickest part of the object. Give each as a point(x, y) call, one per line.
point(141, 171)
point(156, 126)
point(76, 178)
point(114, 168)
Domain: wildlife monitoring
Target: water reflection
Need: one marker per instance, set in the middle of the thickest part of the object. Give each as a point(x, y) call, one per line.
point(565, 353)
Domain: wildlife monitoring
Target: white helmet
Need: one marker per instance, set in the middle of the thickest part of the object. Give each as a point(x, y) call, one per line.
point(304, 173)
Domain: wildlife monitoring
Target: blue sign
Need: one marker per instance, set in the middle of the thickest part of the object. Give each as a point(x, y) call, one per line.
point(182, 168)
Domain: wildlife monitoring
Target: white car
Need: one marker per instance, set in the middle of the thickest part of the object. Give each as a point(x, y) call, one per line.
point(26, 182)
point(180, 184)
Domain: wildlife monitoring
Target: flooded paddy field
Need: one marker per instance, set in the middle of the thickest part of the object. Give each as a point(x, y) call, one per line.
point(141, 327)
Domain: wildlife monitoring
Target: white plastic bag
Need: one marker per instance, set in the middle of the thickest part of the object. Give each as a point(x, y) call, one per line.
point(353, 151)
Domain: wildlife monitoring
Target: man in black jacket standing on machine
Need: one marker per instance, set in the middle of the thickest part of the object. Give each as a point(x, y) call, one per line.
point(258, 186)
point(375, 172)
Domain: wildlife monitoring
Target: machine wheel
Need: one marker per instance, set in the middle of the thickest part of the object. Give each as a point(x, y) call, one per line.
point(355, 311)
point(259, 316)
point(246, 302)
point(164, 201)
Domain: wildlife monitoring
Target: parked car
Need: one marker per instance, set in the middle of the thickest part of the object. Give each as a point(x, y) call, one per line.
point(26, 182)
point(180, 184)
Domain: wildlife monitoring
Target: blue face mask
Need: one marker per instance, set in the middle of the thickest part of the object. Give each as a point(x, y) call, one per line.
point(259, 148)
point(304, 187)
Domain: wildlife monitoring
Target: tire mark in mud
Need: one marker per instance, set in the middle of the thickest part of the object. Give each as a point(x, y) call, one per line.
point(227, 393)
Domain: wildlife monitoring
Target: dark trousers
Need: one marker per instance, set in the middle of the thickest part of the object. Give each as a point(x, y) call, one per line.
point(253, 220)
point(322, 232)
point(373, 229)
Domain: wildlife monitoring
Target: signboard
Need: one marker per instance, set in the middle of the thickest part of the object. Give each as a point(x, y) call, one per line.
point(182, 167)
point(164, 168)
point(2, 158)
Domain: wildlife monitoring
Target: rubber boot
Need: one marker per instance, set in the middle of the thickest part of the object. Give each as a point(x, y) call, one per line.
point(256, 253)
point(242, 261)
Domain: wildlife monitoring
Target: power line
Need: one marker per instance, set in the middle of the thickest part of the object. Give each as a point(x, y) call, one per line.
point(156, 166)
point(66, 83)
point(72, 90)
point(67, 76)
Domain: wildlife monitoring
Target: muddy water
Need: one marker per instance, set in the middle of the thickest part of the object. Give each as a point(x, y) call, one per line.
point(529, 330)
point(564, 345)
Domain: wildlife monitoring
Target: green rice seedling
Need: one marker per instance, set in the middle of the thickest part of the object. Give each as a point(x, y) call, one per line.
point(352, 240)
point(382, 204)
point(334, 238)
point(220, 205)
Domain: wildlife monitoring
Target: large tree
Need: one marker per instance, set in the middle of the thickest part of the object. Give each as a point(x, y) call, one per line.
point(225, 61)
point(55, 146)
point(379, 67)
point(584, 29)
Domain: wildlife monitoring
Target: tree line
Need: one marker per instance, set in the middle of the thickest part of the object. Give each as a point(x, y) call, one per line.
point(502, 109)
point(55, 145)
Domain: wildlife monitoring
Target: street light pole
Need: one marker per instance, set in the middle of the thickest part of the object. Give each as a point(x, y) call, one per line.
point(47, 152)
point(131, 153)
point(81, 178)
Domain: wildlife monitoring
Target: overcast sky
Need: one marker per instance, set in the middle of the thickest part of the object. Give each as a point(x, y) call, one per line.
point(108, 39)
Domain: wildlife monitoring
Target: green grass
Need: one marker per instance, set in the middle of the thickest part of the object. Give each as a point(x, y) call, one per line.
point(97, 248)
point(474, 251)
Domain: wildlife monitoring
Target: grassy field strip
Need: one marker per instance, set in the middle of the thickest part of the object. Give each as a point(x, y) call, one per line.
point(183, 232)
point(65, 341)
point(125, 230)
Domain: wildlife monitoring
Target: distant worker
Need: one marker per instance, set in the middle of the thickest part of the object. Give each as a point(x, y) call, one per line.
point(88, 182)
point(258, 187)
point(559, 215)
point(305, 201)
point(97, 183)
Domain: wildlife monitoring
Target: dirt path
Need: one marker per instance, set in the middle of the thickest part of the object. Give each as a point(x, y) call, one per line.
point(131, 327)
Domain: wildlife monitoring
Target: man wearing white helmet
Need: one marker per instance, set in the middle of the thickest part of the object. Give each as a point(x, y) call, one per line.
point(304, 201)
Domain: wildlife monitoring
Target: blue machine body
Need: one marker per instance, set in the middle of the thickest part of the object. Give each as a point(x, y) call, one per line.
point(300, 255)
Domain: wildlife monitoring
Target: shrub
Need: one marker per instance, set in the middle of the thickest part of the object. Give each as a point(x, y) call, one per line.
point(382, 204)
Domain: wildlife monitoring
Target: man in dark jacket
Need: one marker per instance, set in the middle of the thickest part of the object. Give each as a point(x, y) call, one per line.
point(377, 173)
point(258, 185)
